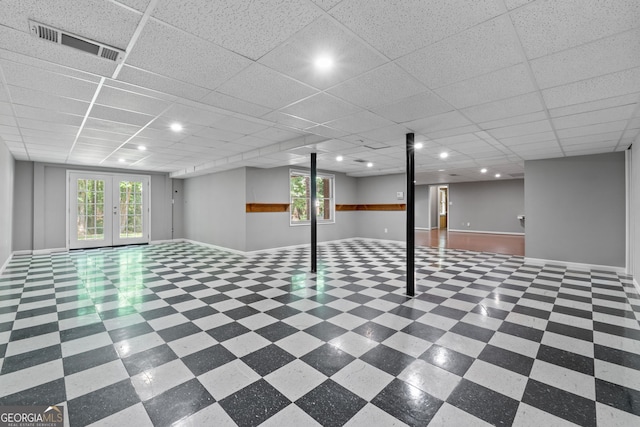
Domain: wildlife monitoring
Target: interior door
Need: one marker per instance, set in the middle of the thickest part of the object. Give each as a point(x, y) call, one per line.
point(107, 210)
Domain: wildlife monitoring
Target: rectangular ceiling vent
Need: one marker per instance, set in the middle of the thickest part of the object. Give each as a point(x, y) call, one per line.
point(64, 38)
point(517, 175)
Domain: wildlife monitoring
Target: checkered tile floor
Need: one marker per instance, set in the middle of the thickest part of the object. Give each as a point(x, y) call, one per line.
point(179, 333)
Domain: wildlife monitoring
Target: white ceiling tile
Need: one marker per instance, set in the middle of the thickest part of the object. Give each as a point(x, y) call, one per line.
point(326, 4)
point(161, 83)
point(32, 98)
point(226, 102)
point(277, 135)
point(516, 106)
point(595, 105)
point(360, 122)
point(414, 107)
point(500, 84)
point(604, 56)
point(389, 134)
point(111, 126)
point(607, 86)
point(47, 126)
point(103, 134)
point(252, 141)
point(631, 133)
point(7, 121)
point(263, 86)
point(593, 129)
point(549, 26)
point(590, 139)
point(438, 122)
point(514, 4)
point(594, 117)
point(484, 48)
point(320, 108)
point(288, 120)
point(593, 148)
point(139, 5)
point(132, 101)
point(185, 114)
point(326, 131)
point(535, 146)
point(45, 81)
point(47, 115)
point(400, 27)
point(323, 37)
point(250, 28)
point(383, 85)
point(218, 134)
point(121, 116)
point(167, 51)
point(521, 129)
point(527, 139)
point(525, 118)
point(242, 126)
point(451, 132)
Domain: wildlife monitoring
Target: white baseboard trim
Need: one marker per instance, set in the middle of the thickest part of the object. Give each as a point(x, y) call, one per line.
point(161, 242)
point(422, 228)
point(486, 232)
point(636, 285)
point(48, 251)
point(577, 265)
point(209, 245)
point(24, 252)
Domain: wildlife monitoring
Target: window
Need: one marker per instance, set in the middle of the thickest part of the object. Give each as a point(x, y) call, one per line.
point(300, 192)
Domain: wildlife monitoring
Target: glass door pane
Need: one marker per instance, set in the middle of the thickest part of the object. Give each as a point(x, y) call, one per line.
point(131, 192)
point(89, 222)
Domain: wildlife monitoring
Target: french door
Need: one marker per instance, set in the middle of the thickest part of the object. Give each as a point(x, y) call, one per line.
point(107, 209)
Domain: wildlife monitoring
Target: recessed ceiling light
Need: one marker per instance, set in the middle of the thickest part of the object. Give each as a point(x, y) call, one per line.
point(418, 145)
point(444, 155)
point(324, 62)
point(121, 160)
point(176, 127)
point(440, 170)
point(483, 170)
point(369, 165)
point(141, 147)
point(339, 158)
point(498, 175)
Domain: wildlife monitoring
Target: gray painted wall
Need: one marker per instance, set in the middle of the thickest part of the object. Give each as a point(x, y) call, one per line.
point(433, 205)
point(214, 209)
point(381, 189)
point(635, 211)
point(575, 209)
point(487, 206)
point(273, 229)
point(7, 173)
point(23, 206)
point(47, 191)
point(422, 206)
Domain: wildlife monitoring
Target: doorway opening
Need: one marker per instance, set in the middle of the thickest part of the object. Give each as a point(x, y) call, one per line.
point(107, 209)
point(443, 207)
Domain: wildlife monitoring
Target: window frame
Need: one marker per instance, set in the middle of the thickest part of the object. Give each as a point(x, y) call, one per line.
point(332, 199)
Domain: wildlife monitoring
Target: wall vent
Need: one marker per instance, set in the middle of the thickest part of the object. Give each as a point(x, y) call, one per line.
point(517, 175)
point(64, 38)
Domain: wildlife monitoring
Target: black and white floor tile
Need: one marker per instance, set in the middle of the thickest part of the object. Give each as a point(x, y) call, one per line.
point(187, 335)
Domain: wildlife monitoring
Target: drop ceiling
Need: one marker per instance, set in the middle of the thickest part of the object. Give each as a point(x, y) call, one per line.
point(492, 82)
